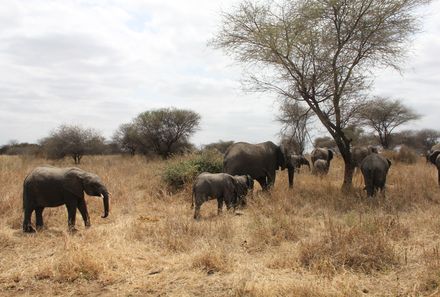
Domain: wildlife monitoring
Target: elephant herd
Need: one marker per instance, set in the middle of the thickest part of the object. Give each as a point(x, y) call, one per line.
point(243, 163)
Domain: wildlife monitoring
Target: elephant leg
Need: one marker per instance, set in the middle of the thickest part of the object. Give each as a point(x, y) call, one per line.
point(39, 217)
point(271, 180)
point(198, 202)
point(438, 172)
point(220, 206)
point(82, 207)
point(27, 227)
point(262, 182)
point(71, 213)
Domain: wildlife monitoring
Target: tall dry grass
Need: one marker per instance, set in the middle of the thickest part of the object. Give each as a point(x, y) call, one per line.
point(307, 241)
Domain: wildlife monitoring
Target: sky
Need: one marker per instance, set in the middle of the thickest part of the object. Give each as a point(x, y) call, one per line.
point(101, 63)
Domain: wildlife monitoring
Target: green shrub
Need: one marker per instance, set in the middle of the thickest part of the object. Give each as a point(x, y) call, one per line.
point(180, 172)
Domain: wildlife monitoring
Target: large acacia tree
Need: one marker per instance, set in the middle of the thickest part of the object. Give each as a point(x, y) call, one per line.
point(166, 131)
point(73, 141)
point(319, 52)
point(383, 115)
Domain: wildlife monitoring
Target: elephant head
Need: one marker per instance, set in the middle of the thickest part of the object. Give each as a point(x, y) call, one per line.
point(79, 181)
point(299, 160)
point(325, 154)
point(433, 157)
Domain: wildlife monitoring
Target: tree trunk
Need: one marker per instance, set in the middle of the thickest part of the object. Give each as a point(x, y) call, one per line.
point(347, 184)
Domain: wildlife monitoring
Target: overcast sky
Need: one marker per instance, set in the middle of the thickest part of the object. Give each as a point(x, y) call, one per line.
point(100, 63)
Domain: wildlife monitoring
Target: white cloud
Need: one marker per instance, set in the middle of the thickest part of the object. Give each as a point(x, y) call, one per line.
point(100, 63)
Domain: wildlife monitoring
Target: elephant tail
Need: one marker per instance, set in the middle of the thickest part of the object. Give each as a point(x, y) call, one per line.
point(192, 198)
point(25, 193)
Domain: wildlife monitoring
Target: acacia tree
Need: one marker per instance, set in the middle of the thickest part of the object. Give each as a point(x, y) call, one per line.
point(295, 119)
point(383, 115)
point(127, 138)
point(73, 141)
point(319, 52)
point(167, 130)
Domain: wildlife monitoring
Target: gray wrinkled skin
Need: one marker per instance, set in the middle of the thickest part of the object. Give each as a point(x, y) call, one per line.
point(434, 158)
point(375, 168)
point(358, 153)
point(260, 161)
point(221, 186)
point(321, 154)
point(298, 160)
point(51, 187)
point(434, 148)
point(324, 154)
point(320, 167)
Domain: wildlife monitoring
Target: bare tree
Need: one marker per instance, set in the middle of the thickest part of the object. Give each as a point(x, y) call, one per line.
point(420, 140)
point(384, 115)
point(166, 131)
point(295, 119)
point(72, 141)
point(319, 52)
point(427, 138)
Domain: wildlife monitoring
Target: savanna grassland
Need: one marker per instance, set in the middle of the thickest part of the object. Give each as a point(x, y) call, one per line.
point(309, 241)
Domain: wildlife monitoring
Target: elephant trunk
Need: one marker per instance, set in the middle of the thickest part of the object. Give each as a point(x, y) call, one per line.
point(307, 163)
point(291, 172)
point(106, 204)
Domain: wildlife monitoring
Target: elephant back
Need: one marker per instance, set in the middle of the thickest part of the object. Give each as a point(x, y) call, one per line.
point(243, 158)
point(321, 154)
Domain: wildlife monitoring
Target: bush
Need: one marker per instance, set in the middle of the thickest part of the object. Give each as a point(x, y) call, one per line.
point(177, 174)
point(404, 155)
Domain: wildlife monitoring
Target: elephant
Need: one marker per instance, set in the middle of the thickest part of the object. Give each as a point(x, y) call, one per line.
point(221, 186)
point(434, 158)
point(322, 154)
point(375, 168)
point(320, 167)
point(48, 186)
point(358, 153)
point(298, 161)
point(435, 147)
point(260, 161)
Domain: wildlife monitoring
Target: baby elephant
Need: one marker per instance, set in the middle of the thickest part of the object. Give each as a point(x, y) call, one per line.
point(375, 168)
point(220, 186)
point(52, 186)
point(320, 167)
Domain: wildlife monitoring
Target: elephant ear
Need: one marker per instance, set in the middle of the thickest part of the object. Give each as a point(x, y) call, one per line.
point(72, 182)
point(330, 155)
point(249, 182)
point(433, 156)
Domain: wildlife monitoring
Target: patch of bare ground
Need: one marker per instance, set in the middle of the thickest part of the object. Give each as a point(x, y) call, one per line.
point(311, 240)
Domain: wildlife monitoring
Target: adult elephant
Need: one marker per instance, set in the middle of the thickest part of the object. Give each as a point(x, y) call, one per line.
point(358, 153)
point(260, 161)
point(434, 158)
point(322, 153)
point(375, 168)
point(52, 186)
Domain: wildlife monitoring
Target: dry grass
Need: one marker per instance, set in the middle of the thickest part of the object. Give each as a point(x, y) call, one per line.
point(309, 241)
